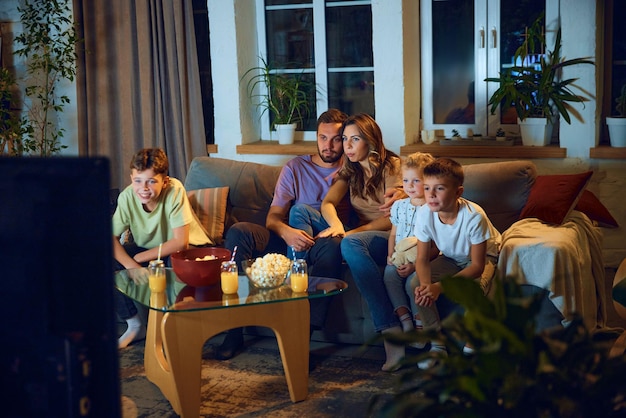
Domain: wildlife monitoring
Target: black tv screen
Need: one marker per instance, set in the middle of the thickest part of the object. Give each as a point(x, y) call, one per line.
point(59, 352)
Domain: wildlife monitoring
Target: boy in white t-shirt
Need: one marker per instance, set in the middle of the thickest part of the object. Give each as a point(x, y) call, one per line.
point(461, 230)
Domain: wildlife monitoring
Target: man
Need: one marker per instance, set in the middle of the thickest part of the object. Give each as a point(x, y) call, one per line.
point(303, 180)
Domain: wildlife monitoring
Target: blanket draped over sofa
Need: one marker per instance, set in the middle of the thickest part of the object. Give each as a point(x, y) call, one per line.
point(563, 262)
point(565, 259)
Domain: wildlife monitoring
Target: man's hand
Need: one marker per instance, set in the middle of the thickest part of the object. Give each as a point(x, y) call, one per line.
point(298, 239)
point(391, 195)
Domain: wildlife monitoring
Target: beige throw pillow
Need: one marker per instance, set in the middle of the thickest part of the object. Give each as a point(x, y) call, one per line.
point(210, 207)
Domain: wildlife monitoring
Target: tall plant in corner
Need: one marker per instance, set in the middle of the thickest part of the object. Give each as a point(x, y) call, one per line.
point(47, 43)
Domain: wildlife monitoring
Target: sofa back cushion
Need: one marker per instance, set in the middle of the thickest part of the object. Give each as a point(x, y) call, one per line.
point(500, 188)
point(251, 186)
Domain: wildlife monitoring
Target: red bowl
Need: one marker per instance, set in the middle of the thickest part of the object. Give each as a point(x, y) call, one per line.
point(202, 272)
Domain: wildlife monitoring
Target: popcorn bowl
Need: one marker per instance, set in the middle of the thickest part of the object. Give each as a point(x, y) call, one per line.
point(196, 267)
point(267, 272)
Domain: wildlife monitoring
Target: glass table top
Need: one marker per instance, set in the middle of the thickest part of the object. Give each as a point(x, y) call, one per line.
point(179, 297)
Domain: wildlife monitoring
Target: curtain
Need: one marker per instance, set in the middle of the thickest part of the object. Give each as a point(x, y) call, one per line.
point(138, 83)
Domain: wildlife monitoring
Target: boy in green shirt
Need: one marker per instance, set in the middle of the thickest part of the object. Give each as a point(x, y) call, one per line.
point(156, 211)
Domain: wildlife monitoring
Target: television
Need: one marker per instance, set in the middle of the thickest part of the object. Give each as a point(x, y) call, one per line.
point(59, 353)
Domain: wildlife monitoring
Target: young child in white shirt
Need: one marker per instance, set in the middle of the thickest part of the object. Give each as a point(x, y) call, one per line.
point(402, 247)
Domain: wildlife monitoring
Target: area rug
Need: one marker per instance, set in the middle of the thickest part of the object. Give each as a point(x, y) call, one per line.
point(253, 384)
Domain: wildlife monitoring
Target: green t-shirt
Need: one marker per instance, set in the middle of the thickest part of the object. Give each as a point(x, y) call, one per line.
point(149, 229)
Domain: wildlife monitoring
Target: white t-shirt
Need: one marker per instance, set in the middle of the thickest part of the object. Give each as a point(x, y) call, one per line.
point(471, 227)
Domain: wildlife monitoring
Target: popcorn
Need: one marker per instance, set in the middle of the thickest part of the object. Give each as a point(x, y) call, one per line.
point(269, 270)
point(206, 258)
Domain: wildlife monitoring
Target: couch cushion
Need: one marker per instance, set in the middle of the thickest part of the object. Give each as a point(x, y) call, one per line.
point(251, 186)
point(553, 197)
point(591, 206)
point(210, 206)
point(500, 188)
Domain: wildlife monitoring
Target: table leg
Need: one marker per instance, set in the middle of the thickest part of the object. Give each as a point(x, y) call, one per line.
point(155, 364)
point(184, 333)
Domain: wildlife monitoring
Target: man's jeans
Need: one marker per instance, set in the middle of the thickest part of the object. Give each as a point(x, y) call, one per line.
point(307, 219)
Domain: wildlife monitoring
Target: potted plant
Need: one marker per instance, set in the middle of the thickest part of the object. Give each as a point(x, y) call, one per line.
point(48, 45)
point(11, 124)
point(284, 95)
point(512, 371)
point(535, 90)
point(500, 135)
point(617, 124)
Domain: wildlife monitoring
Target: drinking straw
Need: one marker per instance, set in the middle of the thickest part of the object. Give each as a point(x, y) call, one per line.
point(159, 255)
point(232, 258)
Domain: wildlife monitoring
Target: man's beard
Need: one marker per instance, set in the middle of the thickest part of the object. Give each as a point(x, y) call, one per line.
point(329, 159)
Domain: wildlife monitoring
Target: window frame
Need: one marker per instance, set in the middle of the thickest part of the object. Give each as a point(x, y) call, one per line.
point(320, 69)
point(486, 64)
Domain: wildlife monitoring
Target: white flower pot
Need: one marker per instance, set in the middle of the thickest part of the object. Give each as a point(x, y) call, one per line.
point(536, 132)
point(285, 133)
point(617, 131)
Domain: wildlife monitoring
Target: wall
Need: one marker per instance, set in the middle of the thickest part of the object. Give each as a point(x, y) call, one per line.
point(397, 67)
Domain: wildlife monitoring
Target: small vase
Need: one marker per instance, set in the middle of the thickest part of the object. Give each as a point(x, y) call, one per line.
point(617, 131)
point(285, 133)
point(536, 132)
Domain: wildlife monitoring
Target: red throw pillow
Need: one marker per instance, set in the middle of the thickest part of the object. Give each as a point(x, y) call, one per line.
point(591, 206)
point(553, 197)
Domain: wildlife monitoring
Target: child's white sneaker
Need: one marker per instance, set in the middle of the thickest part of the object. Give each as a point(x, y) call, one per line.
point(428, 363)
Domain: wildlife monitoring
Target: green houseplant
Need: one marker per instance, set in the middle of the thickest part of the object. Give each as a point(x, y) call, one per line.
point(47, 43)
point(12, 125)
point(513, 371)
point(286, 96)
point(617, 124)
point(536, 90)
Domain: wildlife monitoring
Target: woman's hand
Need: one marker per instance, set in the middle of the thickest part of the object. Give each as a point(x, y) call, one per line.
point(333, 231)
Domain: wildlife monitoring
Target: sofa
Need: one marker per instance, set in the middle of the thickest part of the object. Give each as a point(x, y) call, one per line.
point(503, 189)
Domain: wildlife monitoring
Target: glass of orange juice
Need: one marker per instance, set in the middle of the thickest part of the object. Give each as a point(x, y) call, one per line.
point(299, 276)
point(156, 276)
point(230, 277)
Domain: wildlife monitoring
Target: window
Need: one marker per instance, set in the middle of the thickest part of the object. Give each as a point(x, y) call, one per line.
point(615, 64)
point(330, 42)
point(466, 42)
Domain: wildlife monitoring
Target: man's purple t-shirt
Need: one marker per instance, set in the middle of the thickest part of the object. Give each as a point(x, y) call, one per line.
point(302, 181)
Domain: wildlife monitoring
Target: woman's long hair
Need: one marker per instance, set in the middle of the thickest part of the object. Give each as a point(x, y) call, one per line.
point(379, 159)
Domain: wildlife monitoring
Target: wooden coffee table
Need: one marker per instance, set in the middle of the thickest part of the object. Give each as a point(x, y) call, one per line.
point(181, 319)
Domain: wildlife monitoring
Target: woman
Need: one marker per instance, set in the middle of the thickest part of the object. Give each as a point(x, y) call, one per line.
point(370, 173)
